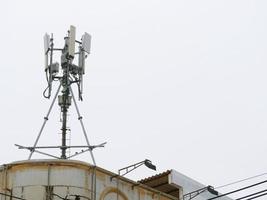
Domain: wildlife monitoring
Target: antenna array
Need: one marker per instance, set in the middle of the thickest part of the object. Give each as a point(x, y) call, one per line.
point(71, 73)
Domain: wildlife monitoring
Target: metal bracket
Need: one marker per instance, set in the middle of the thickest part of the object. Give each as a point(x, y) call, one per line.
point(193, 194)
point(33, 149)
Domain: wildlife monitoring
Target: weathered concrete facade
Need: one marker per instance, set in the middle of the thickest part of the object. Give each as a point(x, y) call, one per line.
point(59, 179)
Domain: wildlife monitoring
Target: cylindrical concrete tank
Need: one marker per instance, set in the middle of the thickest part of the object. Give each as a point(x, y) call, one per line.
point(46, 179)
point(69, 179)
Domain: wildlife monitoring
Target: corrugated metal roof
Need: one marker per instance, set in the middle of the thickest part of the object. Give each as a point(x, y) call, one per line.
point(161, 183)
point(143, 181)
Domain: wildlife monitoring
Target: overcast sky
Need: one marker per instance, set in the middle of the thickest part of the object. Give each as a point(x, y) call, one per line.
point(182, 83)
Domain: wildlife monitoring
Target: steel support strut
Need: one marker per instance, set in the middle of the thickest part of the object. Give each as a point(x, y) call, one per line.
point(45, 120)
point(82, 125)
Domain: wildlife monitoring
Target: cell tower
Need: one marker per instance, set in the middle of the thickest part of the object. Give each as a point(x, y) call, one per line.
point(67, 73)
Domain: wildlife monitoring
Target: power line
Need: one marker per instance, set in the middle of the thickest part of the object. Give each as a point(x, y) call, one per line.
point(257, 196)
point(12, 196)
point(253, 185)
point(77, 197)
point(242, 180)
point(250, 195)
point(60, 196)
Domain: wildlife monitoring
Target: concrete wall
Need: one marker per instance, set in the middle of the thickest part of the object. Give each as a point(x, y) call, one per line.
point(188, 185)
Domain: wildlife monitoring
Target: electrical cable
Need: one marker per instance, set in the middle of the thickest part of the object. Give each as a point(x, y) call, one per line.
point(257, 196)
point(71, 195)
point(78, 196)
point(234, 191)
point(250, 195)
point(79, 91)
point(15, 197)
point(242, 180)
point(47, 96)
point(59, 196)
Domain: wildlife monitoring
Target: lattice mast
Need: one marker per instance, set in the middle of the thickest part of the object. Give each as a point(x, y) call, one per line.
point(71, 73)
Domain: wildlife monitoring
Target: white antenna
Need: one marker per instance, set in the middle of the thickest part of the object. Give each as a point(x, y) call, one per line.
point(71, 45)
point(86, 42)
point(46, 43)
point(81, 64)
point(85, 47)
point(46, 48)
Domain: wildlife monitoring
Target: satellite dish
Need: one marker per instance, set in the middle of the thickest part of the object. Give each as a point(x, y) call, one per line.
point(86, 42)
point(71, 44)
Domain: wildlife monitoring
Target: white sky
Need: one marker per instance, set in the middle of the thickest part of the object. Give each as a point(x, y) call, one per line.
point(182, 83)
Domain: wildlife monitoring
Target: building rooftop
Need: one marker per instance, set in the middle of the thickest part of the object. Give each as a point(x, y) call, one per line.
point(162, 183)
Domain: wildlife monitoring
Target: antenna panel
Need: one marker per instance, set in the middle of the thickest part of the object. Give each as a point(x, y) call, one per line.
point(46, 61)
point(46, 48)
point(46, 43)
point(86, 42)
point(71, 44)
point(81, 61)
